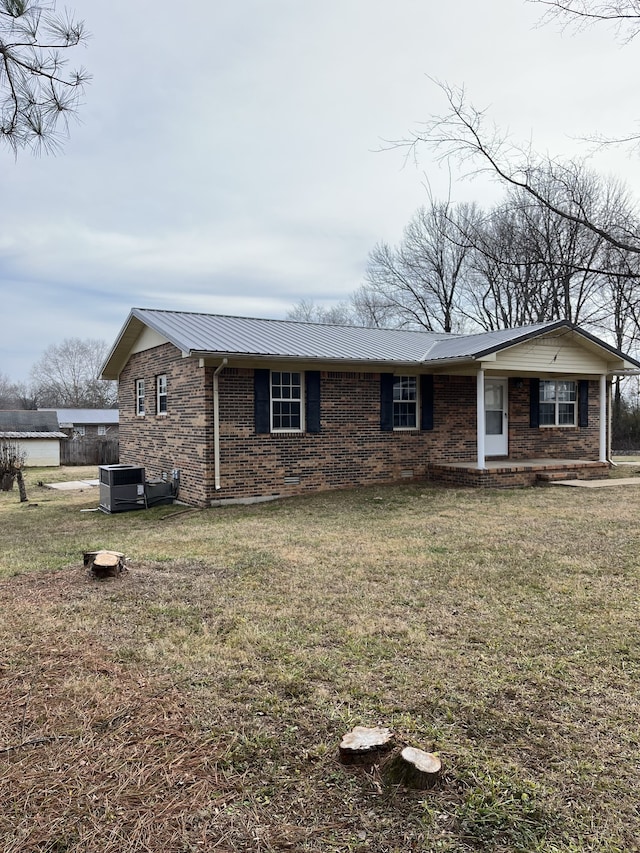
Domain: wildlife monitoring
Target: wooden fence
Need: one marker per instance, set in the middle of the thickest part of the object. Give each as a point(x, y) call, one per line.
point(90, 451)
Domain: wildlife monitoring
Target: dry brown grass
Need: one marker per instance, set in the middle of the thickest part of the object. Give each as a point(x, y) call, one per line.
point(197, 702)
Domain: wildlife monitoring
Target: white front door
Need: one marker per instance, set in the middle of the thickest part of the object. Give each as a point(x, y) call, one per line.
point(496, 425)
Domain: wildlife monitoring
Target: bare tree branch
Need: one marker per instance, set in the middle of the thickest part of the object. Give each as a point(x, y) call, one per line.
point(463, 134)
point(581, 13)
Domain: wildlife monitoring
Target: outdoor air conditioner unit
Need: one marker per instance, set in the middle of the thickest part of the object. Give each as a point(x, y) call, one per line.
point(121, 488)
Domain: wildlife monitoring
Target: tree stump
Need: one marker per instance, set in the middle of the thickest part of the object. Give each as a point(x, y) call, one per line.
point(364, 745)
point(22, 489)
point(413, 768)
point(104, 564)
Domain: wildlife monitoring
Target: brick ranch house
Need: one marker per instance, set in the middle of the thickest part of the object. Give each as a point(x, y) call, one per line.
point(250, 409)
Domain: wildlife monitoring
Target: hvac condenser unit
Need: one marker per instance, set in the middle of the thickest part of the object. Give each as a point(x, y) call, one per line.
point(121, 488)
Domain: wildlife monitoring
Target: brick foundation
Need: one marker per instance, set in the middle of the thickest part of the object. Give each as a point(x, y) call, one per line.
point(513, 474)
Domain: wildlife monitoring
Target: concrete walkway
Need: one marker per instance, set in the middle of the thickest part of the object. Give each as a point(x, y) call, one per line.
point(598, 484)
point(72, 484)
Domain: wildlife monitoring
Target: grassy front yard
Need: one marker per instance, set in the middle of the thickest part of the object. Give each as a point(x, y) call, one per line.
point(197, 702)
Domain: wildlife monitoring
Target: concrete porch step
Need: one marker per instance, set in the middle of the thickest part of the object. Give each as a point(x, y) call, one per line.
point(553, 476)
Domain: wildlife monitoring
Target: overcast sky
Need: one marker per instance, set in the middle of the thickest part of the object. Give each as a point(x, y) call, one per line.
point(228, 158)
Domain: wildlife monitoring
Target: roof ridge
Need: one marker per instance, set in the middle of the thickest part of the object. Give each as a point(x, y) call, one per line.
point(315, 323)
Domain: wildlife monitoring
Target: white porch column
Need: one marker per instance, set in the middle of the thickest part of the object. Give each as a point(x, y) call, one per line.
point(603, 418)
point(480, 418)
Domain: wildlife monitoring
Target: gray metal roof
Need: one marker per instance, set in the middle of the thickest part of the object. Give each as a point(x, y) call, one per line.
point(473, 346)
point(26, 423)
point(85, 416)
point(19, 436)
point(215, 335)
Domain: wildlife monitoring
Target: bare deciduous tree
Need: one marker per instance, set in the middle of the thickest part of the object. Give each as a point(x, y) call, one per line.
point(308, 311)
point(419, 283)
point(66, 375)
point(12, 459)
point(37, 94)
point(9, 393)
point(458, 268)
point(466, 134)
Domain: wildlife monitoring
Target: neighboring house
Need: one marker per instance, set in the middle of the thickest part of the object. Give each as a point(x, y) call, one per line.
point(87, 423)
point(36, 433)
point(254, 409)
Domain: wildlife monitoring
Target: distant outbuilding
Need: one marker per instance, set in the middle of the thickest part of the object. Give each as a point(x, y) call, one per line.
point(36, 433)
point(87, 423)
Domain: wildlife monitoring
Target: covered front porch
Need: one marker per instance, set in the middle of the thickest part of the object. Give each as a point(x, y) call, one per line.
point(513, 449)
point(507, 473)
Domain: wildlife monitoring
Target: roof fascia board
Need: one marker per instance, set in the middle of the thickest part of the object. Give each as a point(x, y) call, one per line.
point(520, 339)
point(141, 313)
point(626, 359)
point(570, 327)
point(375, 365)
point(115, 360)
point(132, 327)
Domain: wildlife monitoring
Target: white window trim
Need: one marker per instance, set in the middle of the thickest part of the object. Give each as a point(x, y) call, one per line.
point(160, 395)
point(272, 400)
point(140, 396)
point(557, 403)
point(416, 403)
point(102, 430)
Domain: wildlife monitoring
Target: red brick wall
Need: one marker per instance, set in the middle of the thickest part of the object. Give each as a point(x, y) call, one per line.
point(559, 442)
point(350, 449)
point(183, 438)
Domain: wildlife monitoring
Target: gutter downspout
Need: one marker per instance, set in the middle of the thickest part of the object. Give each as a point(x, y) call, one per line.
point(216, 422)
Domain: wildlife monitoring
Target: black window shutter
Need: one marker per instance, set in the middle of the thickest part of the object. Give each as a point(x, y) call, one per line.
point(386, 401)
point(534, 403)
point(426, 400)
point(312, 392)
point(583, 403)
point(262, 400)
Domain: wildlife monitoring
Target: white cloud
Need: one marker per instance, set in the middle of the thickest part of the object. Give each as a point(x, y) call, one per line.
point(227, 160)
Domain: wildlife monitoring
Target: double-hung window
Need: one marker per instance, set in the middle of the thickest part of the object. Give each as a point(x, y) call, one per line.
point(287, 392)
point(558, 402)
point(161, 394)
point(405, 402)
point(139, 396)
point(287, 401)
